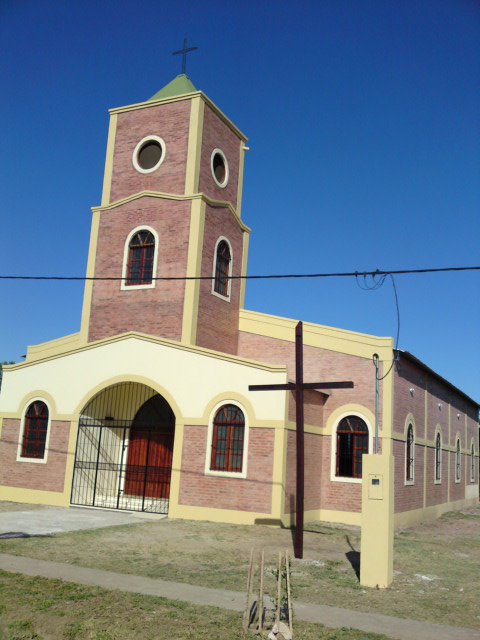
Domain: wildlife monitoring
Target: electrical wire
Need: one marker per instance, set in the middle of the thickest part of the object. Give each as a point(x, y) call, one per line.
point(348, 274)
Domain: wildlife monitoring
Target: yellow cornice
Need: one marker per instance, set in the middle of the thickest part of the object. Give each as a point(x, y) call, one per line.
point(185, 96)
point(330, 338)
point(174, 196)
point(210, 353)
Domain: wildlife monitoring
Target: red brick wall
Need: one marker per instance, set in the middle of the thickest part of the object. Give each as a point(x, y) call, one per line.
point(457, 489)
point(408, 376)
point(217, 135)
point(313, 472)
point(436, 493)
point(408, 497)
point(319, 364)
point(33, 475)
point(169, 121)
point(217, 326)
point(156, 311)
point(313, 402)
point(437, 395)
point(253, 493)
point(338, 495)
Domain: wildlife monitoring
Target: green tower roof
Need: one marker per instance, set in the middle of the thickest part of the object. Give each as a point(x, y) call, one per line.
point(177, 87)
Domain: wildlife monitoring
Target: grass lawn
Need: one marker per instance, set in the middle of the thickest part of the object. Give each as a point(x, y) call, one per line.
point(40, 609)
point(436, 565)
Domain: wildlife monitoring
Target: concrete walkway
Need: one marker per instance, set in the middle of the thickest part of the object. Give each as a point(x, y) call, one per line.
point(51, 520)
point(333, 617)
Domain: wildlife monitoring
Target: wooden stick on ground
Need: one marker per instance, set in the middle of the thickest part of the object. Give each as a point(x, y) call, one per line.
point(289, 594)
point(260, 598)
point(279, 586)
point(251, 573)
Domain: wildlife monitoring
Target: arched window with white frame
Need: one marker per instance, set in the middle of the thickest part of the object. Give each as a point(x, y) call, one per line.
point(472, 463)
point(458, 461)
point(351, 443)
point(140, 259)
point(438, 458)
point(410, 455)
point(222, 269)
point(35, 430)
point(227, 441)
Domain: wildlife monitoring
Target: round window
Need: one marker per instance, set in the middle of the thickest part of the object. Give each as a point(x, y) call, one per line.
point(219, 167)
point(149, 154)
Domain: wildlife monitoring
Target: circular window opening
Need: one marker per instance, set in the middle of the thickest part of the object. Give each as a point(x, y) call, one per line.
point(219, 168)
point(149, 154)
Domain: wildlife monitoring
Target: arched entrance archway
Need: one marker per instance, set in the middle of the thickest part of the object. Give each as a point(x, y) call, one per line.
point(123, 456)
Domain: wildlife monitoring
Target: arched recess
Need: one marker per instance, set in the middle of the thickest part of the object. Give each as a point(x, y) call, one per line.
point(123, 455)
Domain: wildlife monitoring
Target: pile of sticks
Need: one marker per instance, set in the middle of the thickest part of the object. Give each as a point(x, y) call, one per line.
point(265, 615)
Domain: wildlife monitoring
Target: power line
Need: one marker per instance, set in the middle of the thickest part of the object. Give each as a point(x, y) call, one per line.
point(346, 274)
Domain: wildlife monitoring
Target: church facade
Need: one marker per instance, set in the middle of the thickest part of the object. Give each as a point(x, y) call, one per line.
point(148, 406)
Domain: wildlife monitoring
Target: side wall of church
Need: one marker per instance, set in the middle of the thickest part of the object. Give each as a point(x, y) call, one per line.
point(322, 489)
point(253, 493)
point(157, 310)
point(431, 406)
point(48, 476)
point(217, 323)
point(218, 135)
point(170, 122)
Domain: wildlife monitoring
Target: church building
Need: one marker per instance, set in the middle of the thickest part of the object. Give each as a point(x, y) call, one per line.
point(148, 406)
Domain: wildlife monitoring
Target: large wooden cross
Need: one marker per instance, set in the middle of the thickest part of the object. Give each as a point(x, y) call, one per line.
point(299, 386)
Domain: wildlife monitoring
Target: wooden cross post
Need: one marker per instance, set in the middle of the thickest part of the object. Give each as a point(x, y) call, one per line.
point(299, 387)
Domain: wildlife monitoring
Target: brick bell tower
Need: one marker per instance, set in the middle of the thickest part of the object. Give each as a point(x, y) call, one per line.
point(171, 206)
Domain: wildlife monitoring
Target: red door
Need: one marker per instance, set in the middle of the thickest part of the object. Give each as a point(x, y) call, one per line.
point(149, 463)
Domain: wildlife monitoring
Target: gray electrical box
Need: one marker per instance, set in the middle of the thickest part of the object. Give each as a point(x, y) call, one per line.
point(375, 486)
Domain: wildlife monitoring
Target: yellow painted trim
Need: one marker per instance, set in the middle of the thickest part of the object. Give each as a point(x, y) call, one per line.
point(1, 425)
point(209, 353)
point(185, 96)
point(37, 394)
point(231, 516)
point(408, 518)
point(52, 347)
point(33, 496)
point(344, 409)
point(225, 397)
point(194, 268)
point(107, 176)
point(71, 446)
point(279, 472)
point(241, 163)
point(176, 467)
point(148, 382)
point(88, 290)
point(349, 518)
point(387, 409)
point(330, 338)
point(243, 283)
point(174, 196)
point(195, 134)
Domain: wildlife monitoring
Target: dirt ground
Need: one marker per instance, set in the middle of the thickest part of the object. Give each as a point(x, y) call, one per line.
point(436, 564)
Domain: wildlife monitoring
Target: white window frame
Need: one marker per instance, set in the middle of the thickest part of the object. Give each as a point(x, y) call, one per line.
point(439, 481)
point(458, 459)
point(208, 456)
point(230, 270)
point(161, 141)
point(21, 458)
point(333, 447)
point(131, 287)
point(472, 461)
point(223, 184)
point(409, 482)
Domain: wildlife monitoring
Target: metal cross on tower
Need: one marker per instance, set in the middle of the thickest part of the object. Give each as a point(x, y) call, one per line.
point(299, 387)
point(184, 52)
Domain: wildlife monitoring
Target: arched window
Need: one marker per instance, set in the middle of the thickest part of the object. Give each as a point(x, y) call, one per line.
point(223, 263)
point(228, 439)
point(438, 458)
point(35, 430)
point(458, 461)
point(352, 443)
point(472, 463)
point(141, 254)
point(410, 455)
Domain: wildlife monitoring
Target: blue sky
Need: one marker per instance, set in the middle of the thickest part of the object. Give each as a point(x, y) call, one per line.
point(363, 124)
